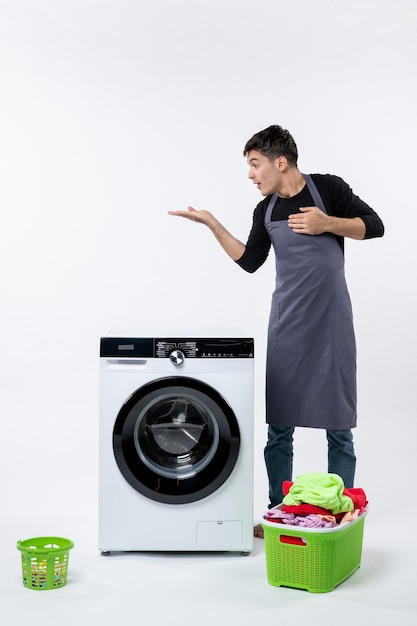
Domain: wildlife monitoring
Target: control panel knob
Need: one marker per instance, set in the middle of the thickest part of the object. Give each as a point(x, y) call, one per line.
point(177, 357)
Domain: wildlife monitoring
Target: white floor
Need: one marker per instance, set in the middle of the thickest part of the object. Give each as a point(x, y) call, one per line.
point(48, 473)
point(203, 589)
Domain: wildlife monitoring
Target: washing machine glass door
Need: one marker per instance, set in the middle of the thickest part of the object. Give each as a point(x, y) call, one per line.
point(176, 440)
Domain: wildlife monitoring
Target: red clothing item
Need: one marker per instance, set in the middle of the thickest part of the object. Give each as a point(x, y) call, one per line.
point(304, 509)
point(358, 497)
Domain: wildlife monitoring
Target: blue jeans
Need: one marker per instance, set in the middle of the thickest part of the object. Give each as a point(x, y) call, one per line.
point(278, 454)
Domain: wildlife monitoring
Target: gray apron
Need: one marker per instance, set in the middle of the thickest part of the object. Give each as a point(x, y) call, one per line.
point(311, 355)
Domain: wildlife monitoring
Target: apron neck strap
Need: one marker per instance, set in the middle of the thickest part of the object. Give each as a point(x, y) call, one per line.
point(317, 199)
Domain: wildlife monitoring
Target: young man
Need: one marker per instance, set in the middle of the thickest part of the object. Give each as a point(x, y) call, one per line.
point(311, 354)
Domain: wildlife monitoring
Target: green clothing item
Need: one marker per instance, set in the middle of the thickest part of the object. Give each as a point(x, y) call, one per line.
point(319, 489)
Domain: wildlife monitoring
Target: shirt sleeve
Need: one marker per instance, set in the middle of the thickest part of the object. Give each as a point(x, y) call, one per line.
point(342, 202)
point(258, 243)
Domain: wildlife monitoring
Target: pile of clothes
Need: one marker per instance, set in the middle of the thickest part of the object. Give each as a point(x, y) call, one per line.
point(318, 500)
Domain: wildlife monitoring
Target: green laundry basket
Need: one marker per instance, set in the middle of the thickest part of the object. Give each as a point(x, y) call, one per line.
point(315, 559)
point(45, 562)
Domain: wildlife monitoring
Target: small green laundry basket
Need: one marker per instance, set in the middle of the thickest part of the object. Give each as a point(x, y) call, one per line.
point(45, 562)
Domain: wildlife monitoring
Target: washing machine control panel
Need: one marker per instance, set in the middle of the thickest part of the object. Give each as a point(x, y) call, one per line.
point(177, 349)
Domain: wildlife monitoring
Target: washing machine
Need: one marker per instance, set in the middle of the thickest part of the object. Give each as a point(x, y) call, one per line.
point(176, 443)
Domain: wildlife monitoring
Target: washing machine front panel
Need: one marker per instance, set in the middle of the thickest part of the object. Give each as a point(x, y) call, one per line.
point(197, 392)
point(176, 440)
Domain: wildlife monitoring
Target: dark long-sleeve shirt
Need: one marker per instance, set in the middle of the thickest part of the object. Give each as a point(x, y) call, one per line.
point(339, 201)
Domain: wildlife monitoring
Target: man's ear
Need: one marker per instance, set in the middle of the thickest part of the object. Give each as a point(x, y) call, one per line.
point(281, 163)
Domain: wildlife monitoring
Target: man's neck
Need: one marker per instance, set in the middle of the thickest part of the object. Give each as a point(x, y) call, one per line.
point(291, 184)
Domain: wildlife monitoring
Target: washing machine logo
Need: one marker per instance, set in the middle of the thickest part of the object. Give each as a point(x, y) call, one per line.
point(177, 357)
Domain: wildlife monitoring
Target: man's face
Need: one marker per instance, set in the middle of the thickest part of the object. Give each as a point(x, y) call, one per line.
point(265, 174)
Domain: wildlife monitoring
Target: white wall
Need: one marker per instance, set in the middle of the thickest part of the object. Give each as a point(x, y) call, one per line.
point(114, 112)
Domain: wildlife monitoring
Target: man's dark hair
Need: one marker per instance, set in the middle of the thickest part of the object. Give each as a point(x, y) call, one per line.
point(273, 142)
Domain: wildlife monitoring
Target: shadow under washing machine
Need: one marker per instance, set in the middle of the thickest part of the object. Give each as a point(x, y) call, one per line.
point(176, 444)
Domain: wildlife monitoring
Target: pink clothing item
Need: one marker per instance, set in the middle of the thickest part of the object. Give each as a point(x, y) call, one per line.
point(303, 521)
point(350, 516)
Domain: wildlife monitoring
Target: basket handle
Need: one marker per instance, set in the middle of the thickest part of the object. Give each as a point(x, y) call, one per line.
point(296, 541)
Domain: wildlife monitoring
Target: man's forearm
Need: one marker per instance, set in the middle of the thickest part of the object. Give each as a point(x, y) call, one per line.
point(232, 246)
point(346, 227)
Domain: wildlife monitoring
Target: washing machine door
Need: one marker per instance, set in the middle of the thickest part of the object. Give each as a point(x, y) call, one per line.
point(176, 440)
